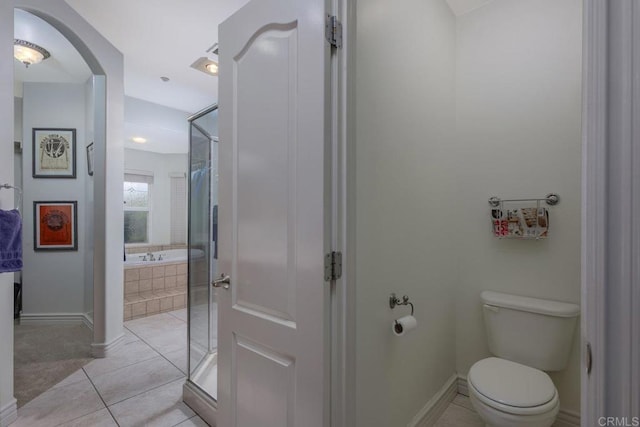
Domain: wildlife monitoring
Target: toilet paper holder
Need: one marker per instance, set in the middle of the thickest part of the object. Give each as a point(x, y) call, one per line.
point(394, 301)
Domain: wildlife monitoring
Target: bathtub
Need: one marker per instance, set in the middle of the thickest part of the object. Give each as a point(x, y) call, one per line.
point(168, 256)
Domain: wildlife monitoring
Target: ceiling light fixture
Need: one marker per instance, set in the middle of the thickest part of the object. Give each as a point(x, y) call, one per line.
point(206, 65)
point(212, 68)
point(139, 139)
point(29, 53)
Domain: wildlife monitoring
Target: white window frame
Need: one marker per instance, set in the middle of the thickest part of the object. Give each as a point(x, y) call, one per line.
point(148, 209)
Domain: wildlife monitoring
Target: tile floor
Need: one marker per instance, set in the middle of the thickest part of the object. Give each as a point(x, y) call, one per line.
point(140, 384)
point(459, 413)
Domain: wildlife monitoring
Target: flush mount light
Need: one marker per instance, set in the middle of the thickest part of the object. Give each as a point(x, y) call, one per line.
point(29, 53)
point(139, 139)
point(206, 65)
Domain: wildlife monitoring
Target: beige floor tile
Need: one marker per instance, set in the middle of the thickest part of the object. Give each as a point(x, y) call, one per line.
point(77, 376)
point(457, 416)
point(160, 407)
point(180, 314)
point(464, 401)
point(153, 324)
point(193, 422)
point(101, 418)
point(178, 358)
point(135, 379)
point(59, 405)
point(168, 341)
point(126, 354)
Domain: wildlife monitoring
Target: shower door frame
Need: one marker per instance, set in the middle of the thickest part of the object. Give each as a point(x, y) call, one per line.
point(194, 395)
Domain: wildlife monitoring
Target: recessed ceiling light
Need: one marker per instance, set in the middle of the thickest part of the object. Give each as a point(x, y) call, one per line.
point(29, 53)
point(139, 139)
point(212, 68)
point(206, 65)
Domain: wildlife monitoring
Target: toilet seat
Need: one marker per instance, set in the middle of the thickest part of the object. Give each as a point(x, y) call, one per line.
point(511, 387)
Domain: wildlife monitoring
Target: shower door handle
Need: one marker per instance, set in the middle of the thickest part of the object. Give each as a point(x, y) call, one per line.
point(223, 282)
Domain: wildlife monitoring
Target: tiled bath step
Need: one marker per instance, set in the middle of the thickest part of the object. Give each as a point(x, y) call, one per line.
point(153, 302)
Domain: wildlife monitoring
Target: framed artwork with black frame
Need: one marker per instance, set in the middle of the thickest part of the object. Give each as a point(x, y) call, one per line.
point(54, 153)
point(55, 226)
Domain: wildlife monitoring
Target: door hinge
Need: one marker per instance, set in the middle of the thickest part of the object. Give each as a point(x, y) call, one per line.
point(332, 266)
point(333, 31)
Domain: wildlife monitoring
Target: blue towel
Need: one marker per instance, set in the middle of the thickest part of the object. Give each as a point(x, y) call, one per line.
point(10, 241)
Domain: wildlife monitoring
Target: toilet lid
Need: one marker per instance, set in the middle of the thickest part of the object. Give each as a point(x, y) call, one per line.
point(511, 383)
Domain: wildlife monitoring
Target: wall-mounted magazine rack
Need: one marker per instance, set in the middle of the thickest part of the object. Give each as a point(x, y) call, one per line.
point(524, 219)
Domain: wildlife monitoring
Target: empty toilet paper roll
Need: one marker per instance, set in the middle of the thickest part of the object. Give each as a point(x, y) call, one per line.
point(403, 325)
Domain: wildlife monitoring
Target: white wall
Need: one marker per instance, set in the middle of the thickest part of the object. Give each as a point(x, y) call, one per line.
point(54, 282)
point(89, 103)
point(405, 123)
point(17, 161)
point(162, 165)
point(518, 95)
point(7, 402)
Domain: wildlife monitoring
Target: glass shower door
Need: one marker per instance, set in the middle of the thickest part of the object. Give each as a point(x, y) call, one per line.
point(203, 201)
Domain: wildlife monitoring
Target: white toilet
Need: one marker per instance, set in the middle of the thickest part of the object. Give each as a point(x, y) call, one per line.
point(527, 336)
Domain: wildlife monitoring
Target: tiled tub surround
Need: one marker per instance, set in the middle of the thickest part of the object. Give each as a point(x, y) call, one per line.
point(152, 248)
point(152, 289)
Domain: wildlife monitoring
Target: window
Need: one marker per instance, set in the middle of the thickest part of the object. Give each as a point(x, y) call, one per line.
point(136, 211)
point(178, 209)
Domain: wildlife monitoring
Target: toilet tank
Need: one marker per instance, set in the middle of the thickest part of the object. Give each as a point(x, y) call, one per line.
point(531, 331)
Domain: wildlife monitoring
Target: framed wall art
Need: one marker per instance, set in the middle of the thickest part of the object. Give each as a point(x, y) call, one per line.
point(55, 226)
point(54, 153)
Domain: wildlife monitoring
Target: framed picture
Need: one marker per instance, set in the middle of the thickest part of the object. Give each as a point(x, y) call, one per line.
point(90, 159)
point(55, 226)
point(54, 153)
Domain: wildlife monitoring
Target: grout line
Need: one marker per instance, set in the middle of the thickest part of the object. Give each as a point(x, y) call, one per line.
point(159, 352)
point(188, 419)
point(147, 391)
point(100, 396)
point(171, 313)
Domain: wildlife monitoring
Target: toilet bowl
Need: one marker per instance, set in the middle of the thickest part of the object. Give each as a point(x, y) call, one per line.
point(509, 394)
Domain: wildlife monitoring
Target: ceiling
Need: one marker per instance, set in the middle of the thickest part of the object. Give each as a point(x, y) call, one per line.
point(158, 39)
point(460, 7)
point(65, 64)
point(162, 38)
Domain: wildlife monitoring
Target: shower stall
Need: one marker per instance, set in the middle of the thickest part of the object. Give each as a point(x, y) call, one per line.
point(201, 385)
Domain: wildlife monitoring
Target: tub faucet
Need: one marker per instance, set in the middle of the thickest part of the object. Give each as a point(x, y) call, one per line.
point(151, 257)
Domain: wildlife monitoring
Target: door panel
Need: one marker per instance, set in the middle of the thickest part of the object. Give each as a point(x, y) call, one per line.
point(257, 366)
point(266, 166)
point(274, 215)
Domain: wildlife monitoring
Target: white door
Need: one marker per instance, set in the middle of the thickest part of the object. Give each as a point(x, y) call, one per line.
point(274, 216)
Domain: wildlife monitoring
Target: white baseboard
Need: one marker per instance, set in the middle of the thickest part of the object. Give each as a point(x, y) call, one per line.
point(435, 407)
point(462, 386)
point(53, 318)
point(565, 418)
point(88, 321)
point(9, 413)
point(102, 350)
